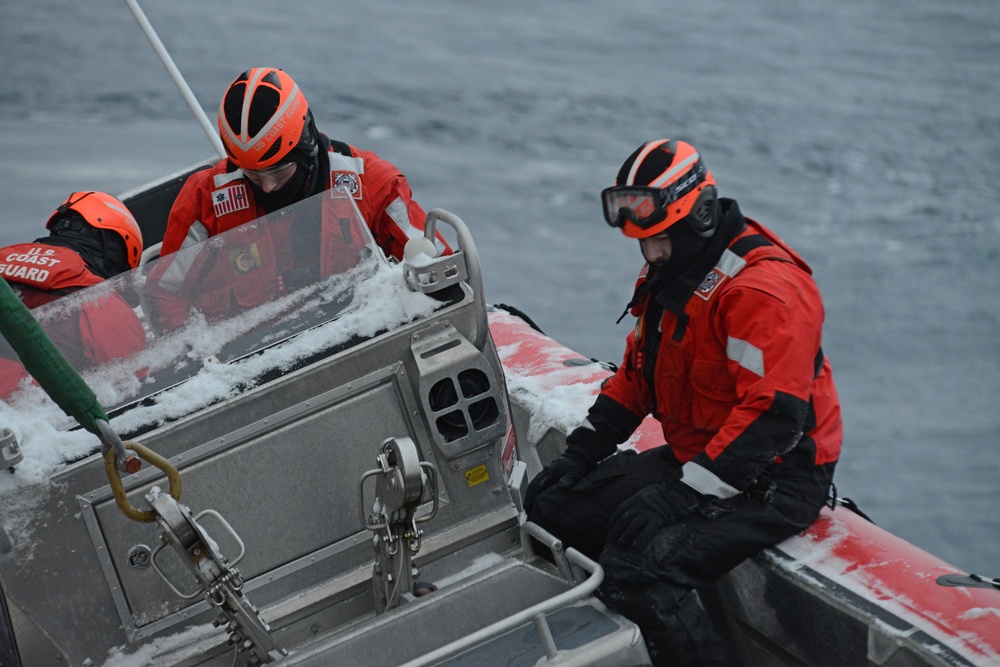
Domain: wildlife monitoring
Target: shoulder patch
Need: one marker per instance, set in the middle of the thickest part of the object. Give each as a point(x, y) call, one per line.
point(348, 181)
point(228, 200)
point(710, 284)
point(345, 172)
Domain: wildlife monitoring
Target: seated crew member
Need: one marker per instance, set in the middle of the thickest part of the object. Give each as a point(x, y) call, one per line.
point(275, 158)
point(92, 237)
point(726, 354)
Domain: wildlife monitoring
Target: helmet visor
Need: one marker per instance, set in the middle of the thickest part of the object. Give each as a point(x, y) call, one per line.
point(641, 205)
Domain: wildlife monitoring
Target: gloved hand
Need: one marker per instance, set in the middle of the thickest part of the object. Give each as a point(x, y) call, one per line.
point(565, 471)
point(639, 518)
point(583, 451)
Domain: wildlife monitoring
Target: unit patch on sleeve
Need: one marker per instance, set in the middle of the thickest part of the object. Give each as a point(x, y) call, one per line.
point(347, 181)
point(710, 283)
point(228, 200)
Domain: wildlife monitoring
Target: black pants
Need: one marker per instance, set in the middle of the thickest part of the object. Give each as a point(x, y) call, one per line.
point(655, 586)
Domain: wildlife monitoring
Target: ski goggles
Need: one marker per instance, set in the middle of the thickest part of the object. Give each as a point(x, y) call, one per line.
point(645, 206)
point(641, 205)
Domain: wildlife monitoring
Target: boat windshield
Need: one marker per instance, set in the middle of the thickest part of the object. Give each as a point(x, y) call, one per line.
point(230, 312)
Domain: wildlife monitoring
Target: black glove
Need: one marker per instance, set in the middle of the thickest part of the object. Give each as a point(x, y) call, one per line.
point(583, 451)
point(608, 424)
point(639, 518)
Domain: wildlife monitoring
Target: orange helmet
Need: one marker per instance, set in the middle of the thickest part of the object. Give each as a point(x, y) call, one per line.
point(262, 117)
point(103, 211)
point(660, 184)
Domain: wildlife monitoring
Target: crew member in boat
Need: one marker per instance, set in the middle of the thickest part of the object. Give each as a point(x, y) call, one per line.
point(92, 237)
point(275, 158)
point(726, 354)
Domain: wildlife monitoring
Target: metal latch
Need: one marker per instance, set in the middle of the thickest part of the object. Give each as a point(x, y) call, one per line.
point(403, 482)
point(219, 581)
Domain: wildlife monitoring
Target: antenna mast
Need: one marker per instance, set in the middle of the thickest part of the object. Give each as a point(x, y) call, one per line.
point(176, 75)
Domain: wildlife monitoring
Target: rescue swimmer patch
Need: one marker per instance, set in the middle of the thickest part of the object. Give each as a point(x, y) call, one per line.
point(346, 180)
point(710, 283)
point(228, 200)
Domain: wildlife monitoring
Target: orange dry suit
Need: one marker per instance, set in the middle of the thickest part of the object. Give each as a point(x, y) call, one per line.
point(102, 329)
point(254, 263)
point(735, 374)
point(216, 200)
point(220, 199)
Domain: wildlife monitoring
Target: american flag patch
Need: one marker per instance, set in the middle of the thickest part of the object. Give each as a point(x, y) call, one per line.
point(233, 198)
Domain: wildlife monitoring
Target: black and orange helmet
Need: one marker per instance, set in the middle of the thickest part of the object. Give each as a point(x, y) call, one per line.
point(262, 117)
point(103, 211)
point(660, 184)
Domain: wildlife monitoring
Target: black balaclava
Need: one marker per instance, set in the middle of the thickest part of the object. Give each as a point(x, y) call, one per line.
point(308, 179)
point(313, 160)
point(692, 257)
point(687, 245)
point(103, 250)
point(670, 285)
point(695, 255)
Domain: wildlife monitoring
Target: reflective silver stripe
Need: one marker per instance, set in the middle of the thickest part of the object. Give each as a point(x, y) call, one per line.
point(181, 263)
point(746, 355)
point(639, 159)
point(227, 177)
point(673, 171)
point(706, 482)
point(128, 216)
point(197, 233)
point(340, 162)
point(730, 263)
point(397, 210)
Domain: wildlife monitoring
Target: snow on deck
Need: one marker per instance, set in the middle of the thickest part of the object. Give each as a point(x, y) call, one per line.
point(380, 302)
point(556, 384)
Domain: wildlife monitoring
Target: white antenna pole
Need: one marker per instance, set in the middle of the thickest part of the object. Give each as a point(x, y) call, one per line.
point(176, 75)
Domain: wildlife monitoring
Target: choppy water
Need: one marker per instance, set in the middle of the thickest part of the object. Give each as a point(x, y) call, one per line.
point(865, 133)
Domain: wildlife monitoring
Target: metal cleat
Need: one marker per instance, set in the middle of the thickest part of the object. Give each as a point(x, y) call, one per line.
point(403, 482)
point(424, 270)
point(10, 450)
point(219, 581)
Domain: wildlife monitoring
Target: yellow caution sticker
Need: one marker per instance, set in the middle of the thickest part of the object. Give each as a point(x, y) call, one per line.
point(477, 475)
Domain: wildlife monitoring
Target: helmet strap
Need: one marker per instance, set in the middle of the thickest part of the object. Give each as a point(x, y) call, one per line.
point(308, 144)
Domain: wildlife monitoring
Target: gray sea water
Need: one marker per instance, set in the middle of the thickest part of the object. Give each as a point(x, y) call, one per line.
point(866, 133)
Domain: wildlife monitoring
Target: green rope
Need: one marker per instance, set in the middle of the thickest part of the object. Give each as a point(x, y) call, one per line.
point(46, 363)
